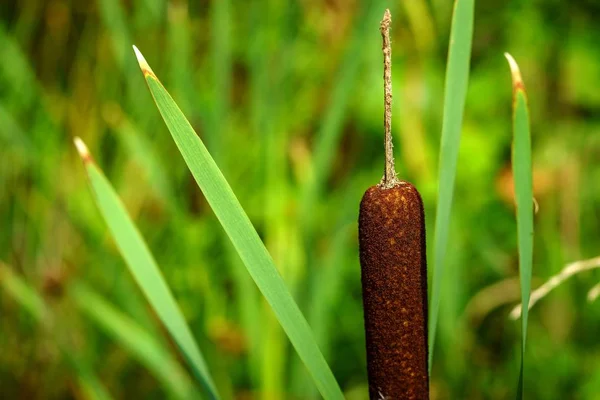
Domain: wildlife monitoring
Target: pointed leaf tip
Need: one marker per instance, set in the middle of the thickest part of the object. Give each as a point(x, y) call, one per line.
point(143, 63)
point(515, 72)
point(84, 153)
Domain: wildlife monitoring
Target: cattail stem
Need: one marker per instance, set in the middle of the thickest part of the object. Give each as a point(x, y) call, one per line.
point(389, 179)
point(391, 233)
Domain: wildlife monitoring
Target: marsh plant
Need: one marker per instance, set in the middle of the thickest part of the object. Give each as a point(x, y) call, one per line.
point(266, 300)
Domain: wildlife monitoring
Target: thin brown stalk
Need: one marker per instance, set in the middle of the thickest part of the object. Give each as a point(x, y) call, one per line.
point(389, 179)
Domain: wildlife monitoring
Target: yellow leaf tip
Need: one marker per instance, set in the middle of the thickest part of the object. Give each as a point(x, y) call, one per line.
point(147, 71)
point(82, 149)
point(515, 72)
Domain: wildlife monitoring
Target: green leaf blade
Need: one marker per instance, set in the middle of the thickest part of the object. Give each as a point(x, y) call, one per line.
point(455, 93)
point(33, 302)
point(242, 234)
point(26, 296)
point(522, 170)
point(523, 181)
point(144, 269)
point(136, 340)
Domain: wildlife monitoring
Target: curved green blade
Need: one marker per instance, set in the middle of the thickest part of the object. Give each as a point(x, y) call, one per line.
point(244, 237)
point(143, 267)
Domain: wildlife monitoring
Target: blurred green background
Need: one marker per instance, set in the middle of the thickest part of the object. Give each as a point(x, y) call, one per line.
point(288, 97)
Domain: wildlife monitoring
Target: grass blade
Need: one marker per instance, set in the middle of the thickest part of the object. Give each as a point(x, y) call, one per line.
point(221, 74)
point(34, 304)
point(143, 267)
point(455, 93)
point(22, 293)
point(135, 339)
point(521, 163)
point(91, 386)
point(244, 237)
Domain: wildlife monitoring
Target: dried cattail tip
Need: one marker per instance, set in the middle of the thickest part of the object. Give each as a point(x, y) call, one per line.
point(394, 274)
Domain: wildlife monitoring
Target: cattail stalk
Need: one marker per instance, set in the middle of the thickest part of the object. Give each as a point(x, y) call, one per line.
point(394, 273)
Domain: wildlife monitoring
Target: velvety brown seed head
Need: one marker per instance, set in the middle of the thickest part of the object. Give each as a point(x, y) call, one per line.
point(394, 282)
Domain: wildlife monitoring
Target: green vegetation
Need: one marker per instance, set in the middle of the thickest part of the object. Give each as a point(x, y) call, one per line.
point(524, 201)
point(143, 268)
point(287, 98)
point(455, 93)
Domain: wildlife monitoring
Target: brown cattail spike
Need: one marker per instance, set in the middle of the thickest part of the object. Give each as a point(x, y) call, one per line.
point(394, 282)
point(394, 275)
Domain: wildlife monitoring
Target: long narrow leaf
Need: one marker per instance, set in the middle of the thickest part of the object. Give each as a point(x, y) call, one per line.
point(143, 267)
point(521, 163)
point(19, 290)
point(136, 339)
point(34, 304)
point(457, 76)
point(244, 237)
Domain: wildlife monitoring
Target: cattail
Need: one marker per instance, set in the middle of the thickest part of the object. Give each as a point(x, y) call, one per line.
point(394, 273)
